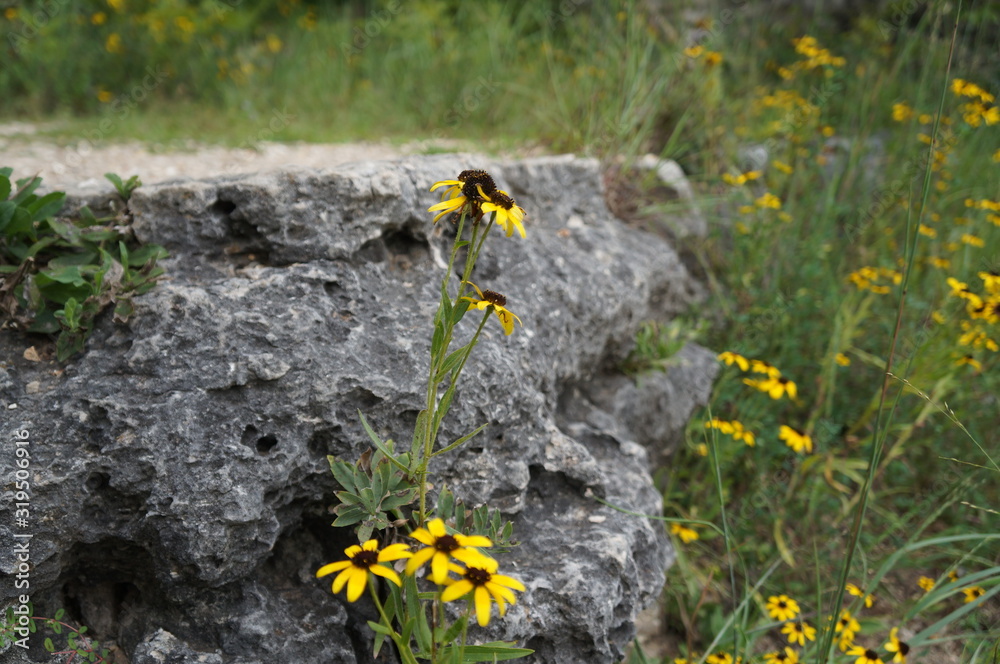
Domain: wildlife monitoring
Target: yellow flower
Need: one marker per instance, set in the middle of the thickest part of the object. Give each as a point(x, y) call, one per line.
point(788, 656)
point(117, 5)
point(712, 58)
point(104, 96)
point(864, 655)
point(481, 579)
point(11, 13)
point(731, 358)
point(686, 534)
point(971, 361)
point(774, 387)
point(996, 156)
point(842, 360)
point(782, 607)
point(795, 439)
point(926, 582)
point(900, 648)
point(901, 112)
point(694, 51)
point(509, 215)
point(362, 560)
point(799, 632)
point(973, 240)
point(766, 368)
point(783, 167)
point(857, 592)
point(497, 301)
point(465, 191)
point(973, 593)
point(441, 547)
point(184, 24)
point(701, 449)
point(113, 44)
point(98, 18)
point(768, 200)
point(847, 626)
point(274, 43)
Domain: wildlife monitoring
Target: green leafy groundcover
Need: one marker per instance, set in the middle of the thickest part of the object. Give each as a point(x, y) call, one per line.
point(58, 274)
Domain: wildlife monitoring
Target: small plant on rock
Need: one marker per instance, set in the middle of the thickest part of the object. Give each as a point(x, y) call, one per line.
point(387, 489)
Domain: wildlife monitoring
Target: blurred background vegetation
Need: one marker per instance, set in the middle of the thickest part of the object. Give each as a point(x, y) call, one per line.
point(805, 132)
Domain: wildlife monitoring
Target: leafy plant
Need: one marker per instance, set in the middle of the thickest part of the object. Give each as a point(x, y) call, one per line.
point(58, 274)
point(79, 647)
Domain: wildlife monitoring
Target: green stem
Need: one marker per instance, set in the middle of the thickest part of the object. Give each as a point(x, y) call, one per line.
point(458, 370)
point(404, 649)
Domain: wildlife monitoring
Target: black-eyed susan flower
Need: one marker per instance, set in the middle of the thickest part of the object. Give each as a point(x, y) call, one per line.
point(842, 360)
point(497, 301)
point(973, 593)
point(857, 592)
point(441, 547)
point(799, 442)
point(722, 658)
point(864, 655)
point(731, 358)
point(363, 560)
point(782, 607)
point(900, 649)
point(481, 579)
point(799, 632)
point(847, 627)
point(774, 387)
point(766, 368)
point(926, 582)
point(471, 188)
point(786, 656)
point(510, 215)
point(686, 534)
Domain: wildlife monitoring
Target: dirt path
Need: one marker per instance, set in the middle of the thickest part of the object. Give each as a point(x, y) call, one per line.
point(82, 165)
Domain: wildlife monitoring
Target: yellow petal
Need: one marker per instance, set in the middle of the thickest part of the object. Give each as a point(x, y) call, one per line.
point(436, 526)
point(423, 537)
point(386, 572)
point(332, 567)
point(418, 559)
point(508, 581)
point(342, 578)
point(482, 598)
point(439, 568)
point(456, 590)
point(356, 584)
point(394, 552)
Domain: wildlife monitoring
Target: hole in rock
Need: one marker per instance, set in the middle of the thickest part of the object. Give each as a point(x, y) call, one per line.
point(266, 443)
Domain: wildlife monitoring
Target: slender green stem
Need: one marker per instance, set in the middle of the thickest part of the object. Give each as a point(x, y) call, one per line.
point(404, 648)
point(458, 370)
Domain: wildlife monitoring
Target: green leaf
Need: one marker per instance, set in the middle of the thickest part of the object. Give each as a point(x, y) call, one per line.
point(495, 651)
point(455, 630)
point(343, 472)
point(459, 312)
point(59, 614)
point(348, 498)
point(70, 314)
point(20, 224)
point(114, 179)
point(7, 209)
point(68, 274)
point(4, 185)
point(47, 206)
point(349, 518)
point(450, 362)
point(460, 440)
point(379, 628)
point(123, 309)
point(419, 431)
point(369, 500)
point(49, 645)
point(379, 444)
point(365, 531)
point(25, 188)
point(437, 341)
point(445, 504)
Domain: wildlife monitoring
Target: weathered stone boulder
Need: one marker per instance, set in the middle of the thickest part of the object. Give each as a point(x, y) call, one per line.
point(180, 489)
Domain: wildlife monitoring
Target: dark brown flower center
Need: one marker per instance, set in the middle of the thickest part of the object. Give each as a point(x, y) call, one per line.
point(477, 576)
point(782, 604)
point(904, 648)
point(365, 558)
point(871, 655)
point(447, 544)
point(473, 179)
point(494, 297)
point(501, 200)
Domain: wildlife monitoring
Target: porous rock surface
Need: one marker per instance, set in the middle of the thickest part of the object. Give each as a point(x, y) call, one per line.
point(180, 488)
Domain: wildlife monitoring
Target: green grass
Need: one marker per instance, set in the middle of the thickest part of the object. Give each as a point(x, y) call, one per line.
point(613, 81)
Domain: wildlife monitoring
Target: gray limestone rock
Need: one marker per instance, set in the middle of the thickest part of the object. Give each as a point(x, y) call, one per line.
point(180, 491)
